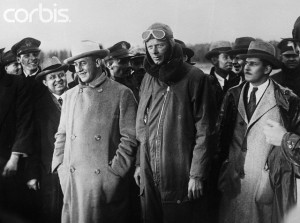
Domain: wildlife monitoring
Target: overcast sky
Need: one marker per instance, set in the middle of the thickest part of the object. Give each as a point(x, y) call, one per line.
point(58, 23)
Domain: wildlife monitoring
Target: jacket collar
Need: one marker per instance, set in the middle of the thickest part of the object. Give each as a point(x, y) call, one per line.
point(170, 72)
point(96, 82)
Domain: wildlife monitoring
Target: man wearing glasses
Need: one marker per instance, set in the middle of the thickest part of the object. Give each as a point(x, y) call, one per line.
point(256, 180)
point(174, 124)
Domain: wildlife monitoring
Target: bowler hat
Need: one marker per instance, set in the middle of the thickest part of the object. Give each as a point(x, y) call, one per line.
point(8, 57)
point(51, 65)
point(26, 45)
point(217, 48)
point(262, 50)
point(86, 48)
point(119, 50)
point(241, 45)
point(289, 46)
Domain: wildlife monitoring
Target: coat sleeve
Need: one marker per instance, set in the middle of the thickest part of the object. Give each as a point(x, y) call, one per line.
point(24, 124)
point(60, 138)
point(126, 152)
point(204, 112)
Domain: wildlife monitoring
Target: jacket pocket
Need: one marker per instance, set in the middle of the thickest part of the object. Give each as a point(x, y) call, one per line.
point(264, 193)
point(229, 181)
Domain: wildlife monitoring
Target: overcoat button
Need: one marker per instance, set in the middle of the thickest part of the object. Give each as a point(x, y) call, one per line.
point(73, 137)
point(97, 171)
point(72, 169)
point(80, 90)
point(97, 137)
point(178, 201)
point(100, 90)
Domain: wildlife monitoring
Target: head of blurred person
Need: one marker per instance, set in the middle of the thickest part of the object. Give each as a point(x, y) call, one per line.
point(219, 57)
point(10, 64)
point(187, 52)
point(289, 53)
point(241, 45)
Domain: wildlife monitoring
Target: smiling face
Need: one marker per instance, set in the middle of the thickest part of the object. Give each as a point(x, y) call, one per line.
point(158, 50)
point(56, 82)
point(29, 61)
point(88, 68)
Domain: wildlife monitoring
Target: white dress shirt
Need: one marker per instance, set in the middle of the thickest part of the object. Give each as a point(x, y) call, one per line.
point(260, 91)
point(221, 80)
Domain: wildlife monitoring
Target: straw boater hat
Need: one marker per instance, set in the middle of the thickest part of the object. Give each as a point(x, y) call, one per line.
point(218, 47)
point(51, 65)
point(241, 45)
point(86, 48)
point(262, 50)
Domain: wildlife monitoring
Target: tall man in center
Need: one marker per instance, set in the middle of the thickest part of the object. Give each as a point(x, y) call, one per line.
point(174, 122)
point(95, 144)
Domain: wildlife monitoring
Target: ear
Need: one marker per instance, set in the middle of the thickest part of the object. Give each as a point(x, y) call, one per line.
point(19, 59)
point(268, 69)
point(45, 83)
point(5, 68)
point(98, 62)
point(214, 60)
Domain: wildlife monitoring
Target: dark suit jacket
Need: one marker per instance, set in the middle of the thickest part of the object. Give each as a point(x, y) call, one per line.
point(15, 116)
point(46, 120)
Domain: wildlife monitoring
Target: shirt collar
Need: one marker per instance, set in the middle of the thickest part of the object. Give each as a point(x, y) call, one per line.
point(30, 75)
point(260, 90)
point(221, 80)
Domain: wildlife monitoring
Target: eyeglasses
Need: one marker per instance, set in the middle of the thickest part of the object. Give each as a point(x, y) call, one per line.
point(156, 33)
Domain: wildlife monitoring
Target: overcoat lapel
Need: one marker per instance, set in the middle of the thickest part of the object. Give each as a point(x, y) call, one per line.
point(241, 105)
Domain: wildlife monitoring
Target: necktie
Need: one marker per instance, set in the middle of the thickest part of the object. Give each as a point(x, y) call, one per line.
point(252, 103)
point(60, 101)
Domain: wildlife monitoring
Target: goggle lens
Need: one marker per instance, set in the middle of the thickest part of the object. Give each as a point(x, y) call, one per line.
point(156, 33)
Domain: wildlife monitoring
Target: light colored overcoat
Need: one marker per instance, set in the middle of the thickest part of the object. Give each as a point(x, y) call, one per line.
point(95, 148)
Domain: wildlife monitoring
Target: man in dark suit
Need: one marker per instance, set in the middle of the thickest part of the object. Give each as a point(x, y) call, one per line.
point(15, 142)
point(46, 120)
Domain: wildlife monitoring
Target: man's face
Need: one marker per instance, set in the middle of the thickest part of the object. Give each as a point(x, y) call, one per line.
point(120, 67)
point(225, 62)
point(56, 82)
point(86, 69)
point(291, 61)
point(158, 50)
point(238, 64)
point(29, 61)
point(255, 72)
point(13, 68)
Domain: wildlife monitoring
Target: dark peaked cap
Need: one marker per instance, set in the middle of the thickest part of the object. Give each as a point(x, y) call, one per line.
point(26, 45)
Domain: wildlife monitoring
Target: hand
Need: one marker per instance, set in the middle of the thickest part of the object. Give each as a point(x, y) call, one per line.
point(195, 189)
point(33, 184)
point(11, 166)
point(274, 132)
point(137, 175)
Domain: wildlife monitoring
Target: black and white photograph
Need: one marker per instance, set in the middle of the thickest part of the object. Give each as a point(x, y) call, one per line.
point(149, 111)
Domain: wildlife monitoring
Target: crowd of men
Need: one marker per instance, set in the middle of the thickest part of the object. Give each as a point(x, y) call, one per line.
point(145, 136)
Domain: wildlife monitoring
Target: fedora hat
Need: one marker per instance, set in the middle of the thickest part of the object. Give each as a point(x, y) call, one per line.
point(262, 50)
point(218, 47)
point(51, 65)
point(119, 50)
point(86, 48)
point(241, 45)
point(187, 51)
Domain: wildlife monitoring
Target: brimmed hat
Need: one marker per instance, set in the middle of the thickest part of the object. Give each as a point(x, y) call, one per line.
point(241, 45)
point(26, 45)
point(119, 50)
point(187, 51)
point(7, 58)
point(86, 48)
point(217, 48)
point(262, 50)
point(137, 53)
point(51, 65)
point(289, 46)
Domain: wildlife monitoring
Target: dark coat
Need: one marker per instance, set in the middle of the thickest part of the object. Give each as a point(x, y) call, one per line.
point(15, 117)
point(174, 125)
point(289, 78)
point(282, 175)
point(219, 93)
